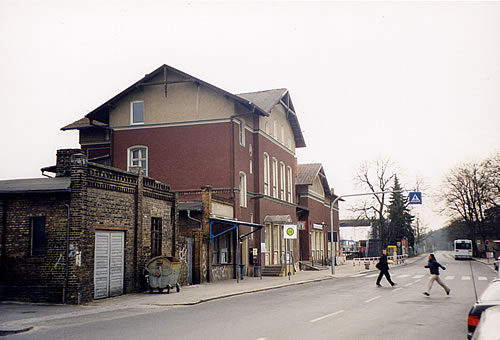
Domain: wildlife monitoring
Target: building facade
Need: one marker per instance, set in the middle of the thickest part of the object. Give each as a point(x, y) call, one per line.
point(84, 234)
point(314, 196)
point(189, 133)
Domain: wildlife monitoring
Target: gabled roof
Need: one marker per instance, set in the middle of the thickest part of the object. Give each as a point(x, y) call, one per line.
point(266, 100)
point(83, 123)
point(260, 102)
point(308, 172)
point(101, 113)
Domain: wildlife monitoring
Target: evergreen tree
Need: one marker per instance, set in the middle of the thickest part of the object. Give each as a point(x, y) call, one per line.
point(400, 219)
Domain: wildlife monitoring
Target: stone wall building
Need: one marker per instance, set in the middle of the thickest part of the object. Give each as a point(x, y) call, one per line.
point(85, 233)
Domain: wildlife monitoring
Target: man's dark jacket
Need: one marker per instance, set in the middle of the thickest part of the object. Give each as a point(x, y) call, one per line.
point(382, 263)
point(433, 266)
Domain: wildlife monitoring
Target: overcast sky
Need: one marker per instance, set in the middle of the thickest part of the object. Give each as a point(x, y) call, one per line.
point(416, 82)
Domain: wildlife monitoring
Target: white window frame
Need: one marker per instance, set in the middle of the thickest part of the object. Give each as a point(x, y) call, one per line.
point(266, 174)
point(241, 131)
point(146, 159)
point(132, 112)
point(275, 178)
point(243, 189)
point(290, 185)
point(282, 181)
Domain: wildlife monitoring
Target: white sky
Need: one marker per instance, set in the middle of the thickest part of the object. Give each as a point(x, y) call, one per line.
point(418, 82)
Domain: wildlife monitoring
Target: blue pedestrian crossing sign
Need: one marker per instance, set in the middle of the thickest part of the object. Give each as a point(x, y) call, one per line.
point(415, 197)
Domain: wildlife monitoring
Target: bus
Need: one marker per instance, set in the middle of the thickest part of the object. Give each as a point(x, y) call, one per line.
point(463, 249)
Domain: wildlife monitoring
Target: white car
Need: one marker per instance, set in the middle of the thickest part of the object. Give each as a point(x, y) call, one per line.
point(489, 326)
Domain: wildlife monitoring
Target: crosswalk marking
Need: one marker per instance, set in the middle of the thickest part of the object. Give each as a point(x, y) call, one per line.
point(401, 276)
point(450, 277)
point(372, 275)
point(418, 276)
point(465, 278)
point(482, 278)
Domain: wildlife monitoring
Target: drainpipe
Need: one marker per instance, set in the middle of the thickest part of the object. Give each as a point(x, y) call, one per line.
point(66, 275)
point(192, 218)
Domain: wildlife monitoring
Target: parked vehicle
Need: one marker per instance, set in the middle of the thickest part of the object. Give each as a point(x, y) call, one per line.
point(489, 326)
point(463, 249)
point(489, 298)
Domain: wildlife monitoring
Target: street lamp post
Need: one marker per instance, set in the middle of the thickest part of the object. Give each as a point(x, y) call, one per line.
point(332, 204)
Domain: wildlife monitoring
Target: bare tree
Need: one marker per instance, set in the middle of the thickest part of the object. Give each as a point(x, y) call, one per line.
point(376, 176)
point(468, 195)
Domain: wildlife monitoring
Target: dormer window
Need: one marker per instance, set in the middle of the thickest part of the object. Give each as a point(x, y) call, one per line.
point(137, 112)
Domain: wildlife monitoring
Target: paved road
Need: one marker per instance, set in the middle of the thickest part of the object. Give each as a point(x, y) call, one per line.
point(347, 308)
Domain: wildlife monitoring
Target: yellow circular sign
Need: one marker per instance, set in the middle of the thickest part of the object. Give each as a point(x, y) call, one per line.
point(290, 231)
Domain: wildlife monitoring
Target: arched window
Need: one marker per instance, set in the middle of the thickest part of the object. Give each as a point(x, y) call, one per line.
point(138, 156)
point(243, 190)
point(266, 174)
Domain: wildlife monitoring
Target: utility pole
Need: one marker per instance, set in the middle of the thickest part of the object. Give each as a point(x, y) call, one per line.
point(332, 204)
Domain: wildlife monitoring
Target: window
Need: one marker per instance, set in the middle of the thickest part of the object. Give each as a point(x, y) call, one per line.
point(282, 134)
point(156, 231)
point(275, 130)
point(138, 156)
point(275, 178)
point(137, 112)
point(243, 190)
point(220, 250)
point(241, 131)
point(266, 174)
point(282, 181)
point(290, 187)
point(266, 127)
point(37, 225)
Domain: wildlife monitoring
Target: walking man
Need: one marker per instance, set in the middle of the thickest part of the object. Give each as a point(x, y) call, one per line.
point(383, 266)
point(433, 266)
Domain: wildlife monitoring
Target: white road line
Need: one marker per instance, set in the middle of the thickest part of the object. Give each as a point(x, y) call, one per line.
point(401, 276)
point(373, 299)
point(418, 276)
point(399, 288)
point(327, 316)
point(261, 339)
point(409, 284)
point(451, 277)
point(465, 278)
point(482, 278)
point(418, 280)
point(358, 275)
point(372, 275)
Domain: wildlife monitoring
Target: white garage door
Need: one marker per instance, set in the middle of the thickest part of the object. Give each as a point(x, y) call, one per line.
point(108, 264)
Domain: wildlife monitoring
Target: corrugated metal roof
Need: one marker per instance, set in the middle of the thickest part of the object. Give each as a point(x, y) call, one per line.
point(35, 185)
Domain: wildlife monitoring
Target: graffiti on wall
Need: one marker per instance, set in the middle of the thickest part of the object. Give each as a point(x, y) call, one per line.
point(204, 266)
point(183, 255)
point(220, 273)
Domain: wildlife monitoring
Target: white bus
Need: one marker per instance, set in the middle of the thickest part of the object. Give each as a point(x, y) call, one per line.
point(463, 249)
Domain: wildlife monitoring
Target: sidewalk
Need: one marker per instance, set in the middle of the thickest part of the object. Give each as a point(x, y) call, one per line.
point(18, 317)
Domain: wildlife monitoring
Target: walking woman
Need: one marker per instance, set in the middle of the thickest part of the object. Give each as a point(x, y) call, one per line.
point(383, 266)
point(433, 266)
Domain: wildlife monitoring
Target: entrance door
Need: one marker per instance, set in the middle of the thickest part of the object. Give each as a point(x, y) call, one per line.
point(268, 242)
point(108, 264)
point(276, 244)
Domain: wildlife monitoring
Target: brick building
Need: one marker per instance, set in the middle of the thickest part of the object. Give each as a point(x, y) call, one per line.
point(314, 196)
point(191, 134)
point(85, 233)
